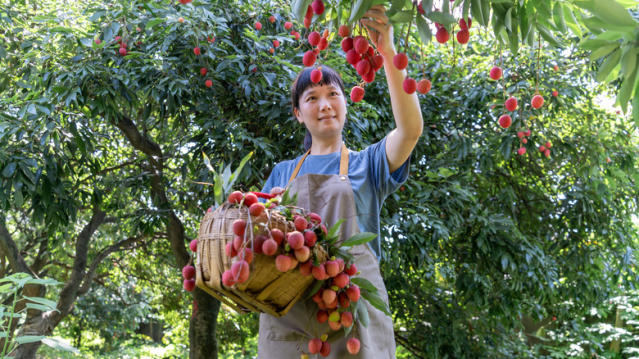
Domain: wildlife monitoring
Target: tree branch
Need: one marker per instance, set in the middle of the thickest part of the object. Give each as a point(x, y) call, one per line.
point(9, 249)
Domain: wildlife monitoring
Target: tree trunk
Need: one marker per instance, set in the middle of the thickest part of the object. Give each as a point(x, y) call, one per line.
point(202, 325)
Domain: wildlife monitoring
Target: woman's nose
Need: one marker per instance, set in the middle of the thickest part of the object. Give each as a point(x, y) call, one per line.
point(325, 104)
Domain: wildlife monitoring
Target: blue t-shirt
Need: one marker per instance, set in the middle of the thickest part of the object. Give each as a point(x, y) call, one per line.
point(368, 172)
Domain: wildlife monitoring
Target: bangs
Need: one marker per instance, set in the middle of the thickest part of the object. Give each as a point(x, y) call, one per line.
point(303, 82)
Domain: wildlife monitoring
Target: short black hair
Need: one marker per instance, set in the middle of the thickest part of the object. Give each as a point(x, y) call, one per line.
point(303, 81)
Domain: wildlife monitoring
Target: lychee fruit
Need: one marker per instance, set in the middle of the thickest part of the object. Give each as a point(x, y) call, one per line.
point(346, 319)
point(238, 243)
point(353, 293)
point(323, 44)
point(542, 148)
point(326, 349)
point(360, 44)
point(362, 67)
point(314, 38)
point(193, 245)
point(247, 255)
point(410, 85)
point(300, 223)
point(240, 271)
point(306, 268)
point(318, 7)
point(309, 58)
point(235, 197)
point(332, 268)
point(282, 262)
point(271, 19)
point(423, 86)
point(230, 250)
point(548, 144)
point(347, 44)
point(462, 36)
point(188, 272)
point(400, 61)
point(295, 239)
point(227, 278)
point(315, 218)
point(310, 238)
point(547, 153)
point(256, 209)
point(344, 31)
point(303, 254)
point(511, 104)
point(277, 235)
point(353, 345)
point(203, 71)
point(269, 247)
point(328, 296)
point(322, 316)
point(314, 346)
point(442, 35)
point(258, 26)
point(319, 272)
point(521, 150)
point(351, 270)
point(505, 121)
point(357, 94)
point(352, 57)
point(97, 41)
point(197, 51)
point(239, 226)
point(288, 25)
point(250, 199)
point(341, 280)
point(276, 43)
point(122, 51)
point(208, 83)
point(495, 73)
point(537, 101)
point(188, 284)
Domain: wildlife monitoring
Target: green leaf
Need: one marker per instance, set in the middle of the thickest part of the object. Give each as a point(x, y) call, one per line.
point(571, 21)
point(424, 30)
point(442, 18)
point(635, 106)
point(476, 10)
point(609, 11)
point(207, 162)
point(591, 44)
point(401, 17)
point(332, 232)
point(51, 304)
point(547, 35)
point(558, 17)
point(153, 22)
point(625, 91)
point(611, 61)
point(364, 283)
point(314, 288)
point(507, 19)
point(628, 60)
point(485, 11)
point(24, 339)
point(376, 301)
point(359, 8)
point(9, 170)
point(41, 307)
point(239, 168)
point(60, 344)
point(603, 51)
point(359, 238)
point(362, 313)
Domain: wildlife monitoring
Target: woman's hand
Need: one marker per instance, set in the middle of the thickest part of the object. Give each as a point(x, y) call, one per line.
point(380, 31)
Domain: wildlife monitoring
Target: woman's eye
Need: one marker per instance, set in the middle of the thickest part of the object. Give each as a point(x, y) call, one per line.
point(334, 93)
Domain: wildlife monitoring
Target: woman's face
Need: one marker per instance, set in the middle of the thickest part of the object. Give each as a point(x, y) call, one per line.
point(323, 110)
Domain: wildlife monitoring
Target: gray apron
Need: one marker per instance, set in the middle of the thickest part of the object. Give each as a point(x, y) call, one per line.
point(330, 196)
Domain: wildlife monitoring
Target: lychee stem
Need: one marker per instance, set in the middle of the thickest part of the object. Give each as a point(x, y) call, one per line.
point(410, 23)
point(538, 55)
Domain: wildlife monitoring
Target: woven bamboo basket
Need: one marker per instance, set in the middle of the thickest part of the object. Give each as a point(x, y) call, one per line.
point(267, 290)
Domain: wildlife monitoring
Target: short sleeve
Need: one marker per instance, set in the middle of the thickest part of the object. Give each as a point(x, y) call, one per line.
point(384, 181)
point(273, 179)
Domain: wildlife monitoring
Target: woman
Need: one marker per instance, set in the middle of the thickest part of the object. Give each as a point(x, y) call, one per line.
point(338, 184)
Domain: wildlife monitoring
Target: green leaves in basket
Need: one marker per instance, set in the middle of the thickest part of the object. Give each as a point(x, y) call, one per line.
point(342, 253)
point(313, 289)
point(287, 199)
point(359, 238)
point(223, 178)
point(333, 232)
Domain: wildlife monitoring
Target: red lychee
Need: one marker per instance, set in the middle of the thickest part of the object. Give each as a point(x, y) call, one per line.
point(547, 153)
point(276, 43)
point(511, 104)
point(240, 271)
point(235, 197)
point(555, 93)
point(548, 144)
point(208, 83)
point(315, 218)
point(306, 268)
point(309, 58)
point(362, 67)
point(521, 150)
point(271, 19)
point(288, 25)
point(188, 272)
point(542, 148)
point(462, 36)
point(344, 31)
point(495, 73)
point(250, 199)
point(318, 7)
point(357, 94)
point(352, 57)
point(227, 278)
point(310, 238)
point(277, 235)
point(319, 272)
point(537, 101)
point(295, 240)
point(400, 61)
point(347, 44)
point(303, 254)
point(203, 71)
point(328, 296)
point(256, 209)
point(442, 35)
point(505, 121)
point(332, 268)
point(188, 284)
point(193, 245)
point(230, 250)
point(239, 226)
point(314, 38)
point(410, 85)
point(258, 26)
point(423, 86)
point(122, 51)
point(323, 44)
point(341, 280)
point(197, 51)
point(353, 345)
point(247, 255)
point(269, 247)
point(322, 316)
point(351, 270)
point(346, 319)
point(360, 44)
point(282, 262)
point(326, 349)
point(314, 346)
point(353, 293)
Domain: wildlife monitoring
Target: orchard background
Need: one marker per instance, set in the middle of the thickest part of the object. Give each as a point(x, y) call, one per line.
point(487, 252)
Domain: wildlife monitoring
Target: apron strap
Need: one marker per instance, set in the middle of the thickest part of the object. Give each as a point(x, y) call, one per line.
point(343, 163)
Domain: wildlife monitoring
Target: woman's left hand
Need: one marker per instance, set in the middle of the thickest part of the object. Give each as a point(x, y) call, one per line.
point(380, 31)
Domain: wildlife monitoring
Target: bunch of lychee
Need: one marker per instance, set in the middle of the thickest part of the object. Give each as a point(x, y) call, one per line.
point(361, 55)
point(319, 43)
point(336, 300)
point(188, 271)
point(410, 85)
